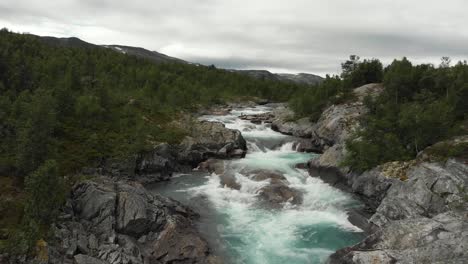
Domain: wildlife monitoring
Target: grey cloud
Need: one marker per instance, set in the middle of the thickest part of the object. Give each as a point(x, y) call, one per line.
point(297, 35)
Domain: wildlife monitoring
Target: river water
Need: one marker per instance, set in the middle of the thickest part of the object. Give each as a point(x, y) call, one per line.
point(241, 228)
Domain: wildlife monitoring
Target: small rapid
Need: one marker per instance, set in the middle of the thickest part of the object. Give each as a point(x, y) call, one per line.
point(245, 230)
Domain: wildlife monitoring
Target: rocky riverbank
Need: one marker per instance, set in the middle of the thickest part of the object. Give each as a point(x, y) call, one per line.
point(112, 218)
point(417, 210)
point(119, 222)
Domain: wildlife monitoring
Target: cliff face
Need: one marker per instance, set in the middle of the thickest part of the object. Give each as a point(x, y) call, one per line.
point(418, 208)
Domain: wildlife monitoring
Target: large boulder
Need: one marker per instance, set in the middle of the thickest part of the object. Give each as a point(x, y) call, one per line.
point(179, 243)
point(211, 140)
point(277, 192)
point(117, 222)
point(228, 180)
point(212, 166)
point(441, 239)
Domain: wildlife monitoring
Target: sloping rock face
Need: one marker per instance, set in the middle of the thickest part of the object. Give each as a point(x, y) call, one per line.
point(441, 239)
point(116, 222)
point(337, 123)
point(432, 189)
point(334, 127)
point(283, 121)
point(421, 220)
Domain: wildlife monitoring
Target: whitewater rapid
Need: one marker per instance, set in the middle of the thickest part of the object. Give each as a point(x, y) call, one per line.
point(245, 231)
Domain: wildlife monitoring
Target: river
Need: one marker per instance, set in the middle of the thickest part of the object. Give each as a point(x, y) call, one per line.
point(245, 231)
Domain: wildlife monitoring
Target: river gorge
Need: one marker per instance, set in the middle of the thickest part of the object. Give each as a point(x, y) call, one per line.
point(263, 208)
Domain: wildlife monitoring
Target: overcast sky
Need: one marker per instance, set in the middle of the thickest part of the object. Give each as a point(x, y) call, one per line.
point(279, 35)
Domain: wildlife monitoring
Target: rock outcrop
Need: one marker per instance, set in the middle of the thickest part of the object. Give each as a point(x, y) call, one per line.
point(337, 123)
point(283, 121)
point(108, 222)
point(441, 239)
point(329, 133)
point(211, 140)
point(419, 220)
point(205, 140)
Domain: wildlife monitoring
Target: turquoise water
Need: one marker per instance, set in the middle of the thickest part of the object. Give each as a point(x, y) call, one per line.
point(246, 232)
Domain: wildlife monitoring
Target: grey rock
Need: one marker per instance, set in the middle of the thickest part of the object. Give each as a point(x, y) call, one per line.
point(306, 145)
point(228, 180)
point(96, 203)
point(212, 165)
point(82, 243)
point(259, 118)
point(122, 223)
point(442, 239)
point(277, 191)
point(85, 259)
point(421, 220)
point(273, 176)
point(285, 123)
point(156, 165)
point(432, 189)
point(72, 249)
point(137, 213)
point(210, 140)
point(179, 244)
point(93, 242)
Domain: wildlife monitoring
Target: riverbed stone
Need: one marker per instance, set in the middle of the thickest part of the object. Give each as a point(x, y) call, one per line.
point(212, 166)
point(85, 259)
point(228, 180)
point(276, 194)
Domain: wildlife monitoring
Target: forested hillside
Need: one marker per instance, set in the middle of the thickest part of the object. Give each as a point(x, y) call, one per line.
point(420, 105)
point(63, 108)
point(80, 104)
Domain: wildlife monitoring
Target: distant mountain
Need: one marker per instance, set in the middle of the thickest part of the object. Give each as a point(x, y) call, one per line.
point(144, 53)
point(67, 42)
point(156, 57)
point(304, 78)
